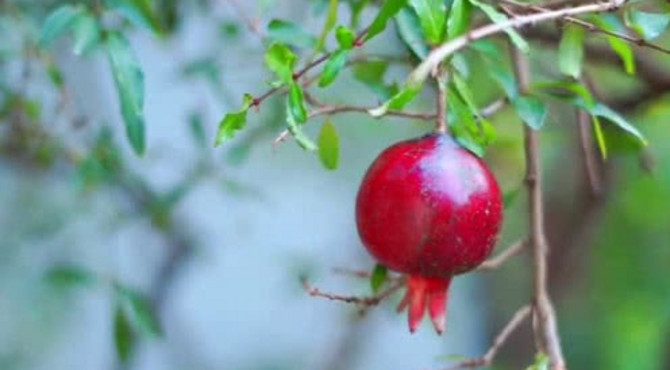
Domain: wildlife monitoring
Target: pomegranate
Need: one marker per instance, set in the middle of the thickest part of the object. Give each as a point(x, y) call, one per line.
point(430, 209)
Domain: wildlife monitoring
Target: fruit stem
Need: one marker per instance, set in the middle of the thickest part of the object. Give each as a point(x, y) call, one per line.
point(441, 120)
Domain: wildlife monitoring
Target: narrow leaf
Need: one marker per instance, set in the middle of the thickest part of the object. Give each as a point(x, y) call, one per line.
point(289, 33)
point(398, 101)
point(331, 19)
point(600, 137)
point(138, 310)
point(333, 67)
point(86, 31)
point(69, 276)
point(648, 25)
point(329, 146)
point(296, 131)
point(571, 51)
point(621, 47)
point(138, 12)
point(233, 122)
point(388, 10)
point(345, 37)
point(410, 32)
point(280, 60)
point(296, 102)
point(59, 22)
point(498, 17)
point(603, 111)
point(531, 110)
point(130, 88)
point(124, 338)
point(459, 18)
point(432, 15)
point(378, 278)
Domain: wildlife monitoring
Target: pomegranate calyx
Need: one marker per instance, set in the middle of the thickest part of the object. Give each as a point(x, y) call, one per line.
point(426, 293)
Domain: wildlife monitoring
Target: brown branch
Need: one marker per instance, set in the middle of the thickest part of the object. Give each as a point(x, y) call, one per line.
point(588, 152)
point(509, 252)
point(498, 342)
point(547, 333)
point(362, 301)
point(441, 125)
point(592, 27)
point(437, 55)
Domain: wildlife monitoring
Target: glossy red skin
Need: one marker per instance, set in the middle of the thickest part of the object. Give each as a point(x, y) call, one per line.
point(429, 207)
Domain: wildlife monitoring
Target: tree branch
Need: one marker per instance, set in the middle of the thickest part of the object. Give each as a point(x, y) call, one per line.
point(588, 152)
point(498, 342)
point(437, 55)
point(548, 340)
point(362, 301)
point(497, 261)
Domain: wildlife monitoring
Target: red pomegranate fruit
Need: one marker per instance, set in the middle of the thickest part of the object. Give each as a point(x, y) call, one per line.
point(430, 209)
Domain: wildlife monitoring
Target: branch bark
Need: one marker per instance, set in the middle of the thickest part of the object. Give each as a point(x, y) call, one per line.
point(547, 337)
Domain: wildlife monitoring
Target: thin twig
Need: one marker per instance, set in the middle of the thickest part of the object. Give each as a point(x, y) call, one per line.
point(497, 261)
point(594, 28)
point(494, 107)
point(549, 340)
point(252, 24)
point(437, 55)
point(362, 301)
point(498, 342)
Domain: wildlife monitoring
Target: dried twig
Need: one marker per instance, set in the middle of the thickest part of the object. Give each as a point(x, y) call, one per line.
point(362, 301)
point(497, 261)
point(548, 340)
point(498, 342)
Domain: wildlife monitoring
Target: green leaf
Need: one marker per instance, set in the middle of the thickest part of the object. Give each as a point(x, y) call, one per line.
point(345, 37)
point(233, 122)
point(289, 33)
point(388, 10)
point(59, 22)
point(296, 131)
point(86, 32)
point(138, 12)
point(541, 362)
point(296, 103)
point(621, 47)
point(647, 25)
point(398, 101)
point(138, 310)
point(600, 137)
point(510, 196)
point(70, 276)
point(432, 15)
point(333, 67)
point(531, 110)
point(410, 32)
point(331, 19)
point(130, 88)
point(197, 129)
point(124, 338)
point(571, 51)
point(463, 91)
point(459, 18)
point(329, 146)
point(576, 92)
point(378, 278)
point(280, 60)
point(372, 75)
point(497, 68)
point(603, 111)
point(463, 124)
point(498, 18)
